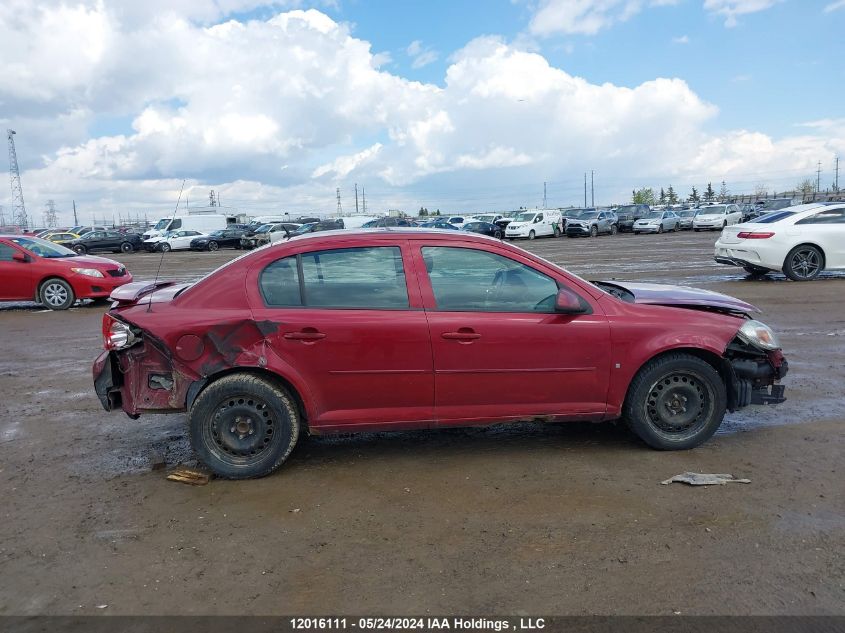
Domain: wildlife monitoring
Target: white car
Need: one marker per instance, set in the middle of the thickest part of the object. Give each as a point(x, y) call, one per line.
point(657, 222)
point(172, 241)
point(717, 216)
point(801, 241)
point(533, 224)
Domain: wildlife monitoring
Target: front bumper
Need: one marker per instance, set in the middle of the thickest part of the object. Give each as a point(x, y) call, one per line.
point(716, 224)
point(85, 287)
point(626, 225)
point(755, 380)
point(577, 230)
point(646, 228)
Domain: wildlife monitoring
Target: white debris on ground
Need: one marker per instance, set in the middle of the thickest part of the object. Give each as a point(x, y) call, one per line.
point(705, 479)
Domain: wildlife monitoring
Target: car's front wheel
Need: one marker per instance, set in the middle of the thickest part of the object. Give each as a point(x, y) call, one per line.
point(531, 235)
point(594, 231)
point(803, 263)
point(126, 247)
point(213, 246)
point(79, 249)
point(164, 247)
point(660, 228)
point(243, 426)
point(675, 402)
point(613, 229)
point(56, 294)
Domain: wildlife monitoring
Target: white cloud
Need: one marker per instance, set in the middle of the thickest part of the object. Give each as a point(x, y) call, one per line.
point(421, 55)
point(733, 8)
point(586, 17)
point(833, 6)
point(286, 109)
point(682, 39)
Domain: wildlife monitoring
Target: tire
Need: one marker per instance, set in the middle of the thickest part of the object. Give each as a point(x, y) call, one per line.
point(677, 227)
point(657, 407)
point(614, 229)
point(636, 232)
point(79, 249)
point(557, 232)
point(757, 271)
point(243, 426)
point(594, 231)
point(803, 263)
point(660, 228)
point(164, 247)
point(56, 294)
point(126, 247)
point(724, 224)
point(213, 246)
point(696, 230)
point(497, 235)
point(531, 235)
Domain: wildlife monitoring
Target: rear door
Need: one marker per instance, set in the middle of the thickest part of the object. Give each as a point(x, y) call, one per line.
point(16, 280)
point(354, 330)
point(500, 350)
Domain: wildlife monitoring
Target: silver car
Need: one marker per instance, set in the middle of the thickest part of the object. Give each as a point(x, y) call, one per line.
point(657, 222)
point(686, 216)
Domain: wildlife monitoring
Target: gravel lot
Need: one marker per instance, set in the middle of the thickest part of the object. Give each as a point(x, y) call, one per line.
point(519, 519)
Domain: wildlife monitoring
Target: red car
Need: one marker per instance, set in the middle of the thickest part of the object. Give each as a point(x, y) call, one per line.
point(411, 328)
point(32, 269)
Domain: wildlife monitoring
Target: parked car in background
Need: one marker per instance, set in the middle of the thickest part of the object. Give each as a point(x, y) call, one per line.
point(439, 223)
point(592, 223)
point(224, 238)
point(748, 211)
point(657, 222)
point(630, 213)
point(356, 221)
point(716, 216)
point(32, 269)
point(83, 229)
point(531, 224)
point(484, 228)
point(316, 227)
point(491, 218)
point(685, 218)
point(506, 219)
point(764, 207)
point(801, 241)
point(62, 237)
point(109, 241)
point(570, 214)
point(171, 241)
point(200, 223)
point(383, 222)
point(459, 329)
point(268, 233)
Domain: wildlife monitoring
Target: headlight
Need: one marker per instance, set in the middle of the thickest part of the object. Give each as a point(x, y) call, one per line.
point(759, 335)
point(88, 272)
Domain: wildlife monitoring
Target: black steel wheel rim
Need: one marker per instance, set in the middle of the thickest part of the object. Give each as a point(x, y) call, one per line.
point(241, 430)
point(805, 263)
point(679, 403)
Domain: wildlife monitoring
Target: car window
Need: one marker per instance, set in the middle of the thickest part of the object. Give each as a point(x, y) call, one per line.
point(113, 235)
point(6, 253)
point(539, 218)
point(827, 216)
point(470, 280)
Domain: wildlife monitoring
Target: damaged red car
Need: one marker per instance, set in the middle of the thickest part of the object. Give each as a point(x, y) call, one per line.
point(411, 328)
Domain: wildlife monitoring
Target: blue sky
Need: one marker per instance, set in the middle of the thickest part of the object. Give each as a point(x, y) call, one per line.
point(277, 103)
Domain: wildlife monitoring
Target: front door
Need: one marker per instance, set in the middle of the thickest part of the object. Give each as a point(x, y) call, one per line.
point(349, 327)
point(500, 350)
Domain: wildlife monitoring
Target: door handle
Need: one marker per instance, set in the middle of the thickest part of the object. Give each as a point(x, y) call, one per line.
point(461, 336)
point(304, 336)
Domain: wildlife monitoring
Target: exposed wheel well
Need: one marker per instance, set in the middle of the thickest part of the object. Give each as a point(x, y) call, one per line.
point(199, 386)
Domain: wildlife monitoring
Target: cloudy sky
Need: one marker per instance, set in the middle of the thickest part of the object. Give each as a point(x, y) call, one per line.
point(457, 105)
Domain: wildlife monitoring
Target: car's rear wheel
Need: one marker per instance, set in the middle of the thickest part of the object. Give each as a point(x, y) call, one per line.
point(79, 249)
point(803, 263)
point(56, 294)
point(675, 402)
point(126, 247)
point(531, 235)
point(243, 426)
point(213, 246)
point(594, 231)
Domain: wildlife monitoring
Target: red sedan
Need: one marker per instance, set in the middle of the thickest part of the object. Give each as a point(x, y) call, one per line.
point(32, 269)
point(410, 328)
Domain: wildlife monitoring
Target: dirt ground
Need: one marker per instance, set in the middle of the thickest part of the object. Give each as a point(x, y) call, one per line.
point(533, 519)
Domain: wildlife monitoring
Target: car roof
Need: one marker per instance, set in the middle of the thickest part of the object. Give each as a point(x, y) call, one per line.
point(392, 232)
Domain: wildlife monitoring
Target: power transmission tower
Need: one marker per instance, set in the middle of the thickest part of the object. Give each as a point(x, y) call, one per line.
point(592, 188)
point(544, 195)
point(339, 207)
point(50, 214)
point(19, 214)
point(2, 216)
point(211, 201)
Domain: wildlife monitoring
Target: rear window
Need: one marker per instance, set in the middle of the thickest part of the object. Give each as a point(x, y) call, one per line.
point(352, 278)
point(770, 218)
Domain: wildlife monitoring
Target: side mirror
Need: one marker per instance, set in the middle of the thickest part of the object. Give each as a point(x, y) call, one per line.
point(20, 257)
point(567, 302)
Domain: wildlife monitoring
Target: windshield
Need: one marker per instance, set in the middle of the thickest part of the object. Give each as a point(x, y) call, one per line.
point(305, 228)
point(654, 215)
point(43, 248)
point(588, 215)
point(161, 224)
point(264, 228)
point(686, 214)
point(524, 217)
point(628, 209)
point(484, 218)
point(718, 210)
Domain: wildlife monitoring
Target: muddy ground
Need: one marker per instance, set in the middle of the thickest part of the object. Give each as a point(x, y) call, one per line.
point(566, 519)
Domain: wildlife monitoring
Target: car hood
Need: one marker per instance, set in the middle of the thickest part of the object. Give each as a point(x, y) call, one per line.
point(681, 296)
point(643, 221)
point(85, 261)
point(153, 292)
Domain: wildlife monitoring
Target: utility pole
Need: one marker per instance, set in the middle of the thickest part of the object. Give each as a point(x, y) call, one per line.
point(19, 214)
point(364, 200)
point(819, 177)
point(339, 208)
point(592, 188)
point(836, 179)
point(50, 214)
point(544, 195)
point(356, 197)
point(585, 190)
point(75, 221)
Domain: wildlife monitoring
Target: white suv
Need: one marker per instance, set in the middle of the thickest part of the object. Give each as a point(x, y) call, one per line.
point(717, 216)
